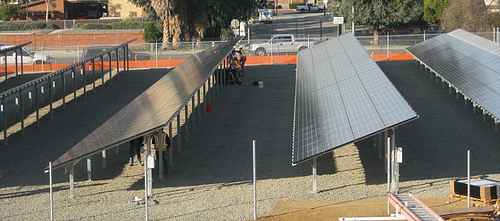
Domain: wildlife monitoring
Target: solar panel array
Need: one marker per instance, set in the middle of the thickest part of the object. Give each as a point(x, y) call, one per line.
point(154, 108)
point(467, 62)
point(341, 96)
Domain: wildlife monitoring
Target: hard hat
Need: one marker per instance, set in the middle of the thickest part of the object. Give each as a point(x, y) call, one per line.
point(241, 46)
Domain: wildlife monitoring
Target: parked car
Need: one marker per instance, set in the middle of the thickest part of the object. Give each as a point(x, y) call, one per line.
point(95, 50)
point(309, 7)
point(266, 15)
point(280, 43)
point(28, 57)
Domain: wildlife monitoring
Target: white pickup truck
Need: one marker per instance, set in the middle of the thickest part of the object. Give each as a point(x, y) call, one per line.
point(280, 43)
point(28, 57)
point(309, 7)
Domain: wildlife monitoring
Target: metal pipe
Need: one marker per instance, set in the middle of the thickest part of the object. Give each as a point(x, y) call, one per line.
point(51, 193)
point(186, 120)
point(89, 169)
point(254, 182)
point(315, 174)
point(160, 153)
point(71, 180)
point(104, 159)
point(468, 178)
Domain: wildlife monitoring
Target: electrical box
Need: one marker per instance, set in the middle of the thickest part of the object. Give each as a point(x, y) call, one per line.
point(399, 155)
point(150, 161)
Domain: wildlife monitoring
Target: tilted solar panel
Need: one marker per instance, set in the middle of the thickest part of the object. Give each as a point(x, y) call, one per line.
point(341, 96)
point(469, 63)
point(154, 108)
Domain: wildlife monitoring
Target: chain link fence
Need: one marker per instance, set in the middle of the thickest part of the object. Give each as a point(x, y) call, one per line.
point(159, 53)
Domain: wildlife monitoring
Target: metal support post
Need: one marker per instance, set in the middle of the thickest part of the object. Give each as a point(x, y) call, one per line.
point(254, 182)
point(89, 169)
point(198, 110)
point(84, 76)
point(21, 107)
point(204, 98)
point(71, 180)
point(388, 163)
point(51, 193)
point(193, 115)
point(186, 120)
point(217, 80)
point(160, 154)
point(380, 146)
point(386, 135)
point(315, 174)
point(468, 178)
point(209, 92)
point(212, 89)
point(146, 190)
point(224, 72)
point(394, 179)
point(93, 75)
point(51, 98)
point(104, 159)
point(149, 170)
point(179, 136)
point(170, 149)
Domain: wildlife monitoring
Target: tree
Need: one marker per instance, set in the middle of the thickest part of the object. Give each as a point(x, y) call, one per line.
point(378, 13)
point(49, 3)
point(189, 19)
point(469, 15)
point(433, 10)
point(10, 11)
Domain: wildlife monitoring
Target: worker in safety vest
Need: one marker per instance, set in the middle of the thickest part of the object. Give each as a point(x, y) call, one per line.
point(164, 145)
point(235, 66)
point(243, 59)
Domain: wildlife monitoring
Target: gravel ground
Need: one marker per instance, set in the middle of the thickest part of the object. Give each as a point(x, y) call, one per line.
point(211, 176)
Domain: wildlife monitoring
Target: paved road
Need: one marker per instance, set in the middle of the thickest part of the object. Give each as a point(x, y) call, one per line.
point(313, 25)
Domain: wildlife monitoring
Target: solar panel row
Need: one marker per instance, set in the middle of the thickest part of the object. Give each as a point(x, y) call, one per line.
point(341, 96)
point(154, 108)
point(467, 62)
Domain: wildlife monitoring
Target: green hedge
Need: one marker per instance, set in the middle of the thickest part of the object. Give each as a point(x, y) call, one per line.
point(115, 25)
point(153, 32)
point(12, 26)
point(294, 5)
point(92, 26)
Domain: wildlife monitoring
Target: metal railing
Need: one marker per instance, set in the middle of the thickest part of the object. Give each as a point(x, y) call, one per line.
point(43, 92)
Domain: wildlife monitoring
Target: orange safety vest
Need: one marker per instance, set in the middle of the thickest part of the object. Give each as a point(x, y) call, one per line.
point(164, 144)
point(238, 64)
point(243, 54)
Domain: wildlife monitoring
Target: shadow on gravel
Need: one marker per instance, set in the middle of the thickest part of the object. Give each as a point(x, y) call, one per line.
point(27, 156)
point(434, 146)
point(220, 150)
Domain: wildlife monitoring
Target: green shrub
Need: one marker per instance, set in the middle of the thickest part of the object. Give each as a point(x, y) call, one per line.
point(39, 25)
point(90, 26)
point(8, 11)
point(153, 32)
point(128, 24)
point(294, 5)
point(15, 26)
